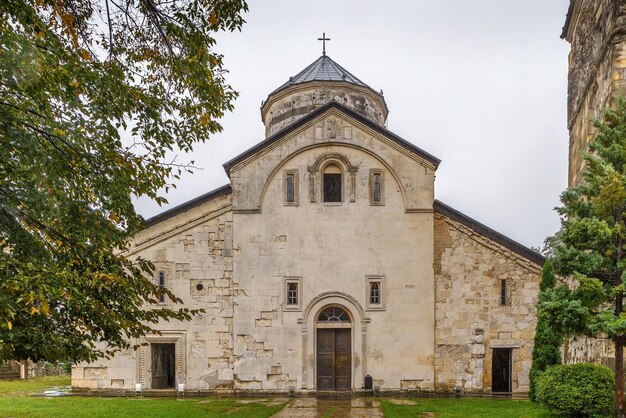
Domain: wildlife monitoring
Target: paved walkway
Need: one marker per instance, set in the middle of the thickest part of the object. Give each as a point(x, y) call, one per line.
point(331, 408)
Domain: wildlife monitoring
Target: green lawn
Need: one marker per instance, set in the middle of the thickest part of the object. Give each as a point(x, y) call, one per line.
point(31, 386)
point(15, 402)
point(465, 408)
point(134, 407)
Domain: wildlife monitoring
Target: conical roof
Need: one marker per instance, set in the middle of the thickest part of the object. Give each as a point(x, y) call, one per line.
point(323, 69)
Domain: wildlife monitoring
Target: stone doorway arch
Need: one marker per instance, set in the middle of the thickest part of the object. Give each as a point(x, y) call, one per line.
point(358, 337)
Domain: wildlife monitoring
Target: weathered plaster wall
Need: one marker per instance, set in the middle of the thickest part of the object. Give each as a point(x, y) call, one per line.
point(597, 69)
point(286, 107)
point(195, 251)
point(469, 321)
point(589, 350)
point(414, 175)
point(332, 249)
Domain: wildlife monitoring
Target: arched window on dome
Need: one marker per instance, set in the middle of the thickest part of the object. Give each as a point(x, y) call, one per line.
point(332, 183)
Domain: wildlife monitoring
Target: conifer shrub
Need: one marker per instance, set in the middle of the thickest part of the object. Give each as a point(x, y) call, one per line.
point(577, 390)
point(548, 340)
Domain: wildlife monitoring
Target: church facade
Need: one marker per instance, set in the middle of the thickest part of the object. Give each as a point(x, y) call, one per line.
point(327, 260)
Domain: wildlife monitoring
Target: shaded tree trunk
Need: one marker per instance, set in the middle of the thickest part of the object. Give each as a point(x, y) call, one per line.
point(619, 377)
point(619, 351)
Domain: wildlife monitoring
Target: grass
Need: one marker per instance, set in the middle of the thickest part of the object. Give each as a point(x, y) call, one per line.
point(15, 402)
point(466, 408)
point(134, 407)
point(31, 386)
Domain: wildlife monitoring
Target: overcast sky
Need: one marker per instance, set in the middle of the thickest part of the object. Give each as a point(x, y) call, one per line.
point(481, 85)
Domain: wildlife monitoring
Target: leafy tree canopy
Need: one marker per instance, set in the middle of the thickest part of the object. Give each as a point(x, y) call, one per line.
point(93, 97)
point(589, 248)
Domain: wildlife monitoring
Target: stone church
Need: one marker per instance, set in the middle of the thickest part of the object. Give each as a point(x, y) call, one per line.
point(326, 260)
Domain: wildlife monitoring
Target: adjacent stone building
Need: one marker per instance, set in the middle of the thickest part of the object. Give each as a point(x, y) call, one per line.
point(327, 259)
point(596, 30)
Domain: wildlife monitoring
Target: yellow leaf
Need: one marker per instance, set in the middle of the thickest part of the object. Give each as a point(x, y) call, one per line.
point(85, 54)
point(33, 310)
point(45, 308)
point(114, 218)
point(204, 120)
point(213, 18)
point(10, 325)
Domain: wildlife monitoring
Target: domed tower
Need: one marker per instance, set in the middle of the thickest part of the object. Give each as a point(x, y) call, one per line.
point(321, 82)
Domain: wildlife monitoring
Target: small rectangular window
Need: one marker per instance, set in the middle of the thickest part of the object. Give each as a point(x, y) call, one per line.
point(292, 293)
point(161, 285)
point(376, 187)
point(291, 196)
point(503, 293)
point(290, 187)
point(375, 293)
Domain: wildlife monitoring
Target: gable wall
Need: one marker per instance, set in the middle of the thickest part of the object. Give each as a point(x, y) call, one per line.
point(469, 319)
point(415, 176)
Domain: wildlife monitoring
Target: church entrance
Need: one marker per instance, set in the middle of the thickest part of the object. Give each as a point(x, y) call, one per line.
point(163, 365)
point(334, 349)
point(501, 370)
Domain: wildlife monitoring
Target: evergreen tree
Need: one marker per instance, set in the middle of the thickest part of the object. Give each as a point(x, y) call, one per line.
point(590, 247)
point(547, 339)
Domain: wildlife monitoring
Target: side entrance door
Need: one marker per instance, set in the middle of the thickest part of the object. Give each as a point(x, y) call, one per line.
point(334, 362)
point(163, 365)
point(501, 370)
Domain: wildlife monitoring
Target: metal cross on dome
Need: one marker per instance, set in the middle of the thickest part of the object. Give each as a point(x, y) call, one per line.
point(323, 39)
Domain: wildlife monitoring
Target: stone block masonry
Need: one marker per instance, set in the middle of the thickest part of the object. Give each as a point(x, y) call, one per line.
point(470, 319)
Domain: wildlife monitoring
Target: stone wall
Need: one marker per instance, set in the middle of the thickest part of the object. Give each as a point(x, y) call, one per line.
point(596, 30)
point(195, 252)
point(470, 321)
point(589, 350)
point(414, 174)
point(288, 106)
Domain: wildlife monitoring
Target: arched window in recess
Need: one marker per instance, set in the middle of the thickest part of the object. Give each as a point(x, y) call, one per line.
point(161, 285)
point(332, 181)
point(333, 314)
